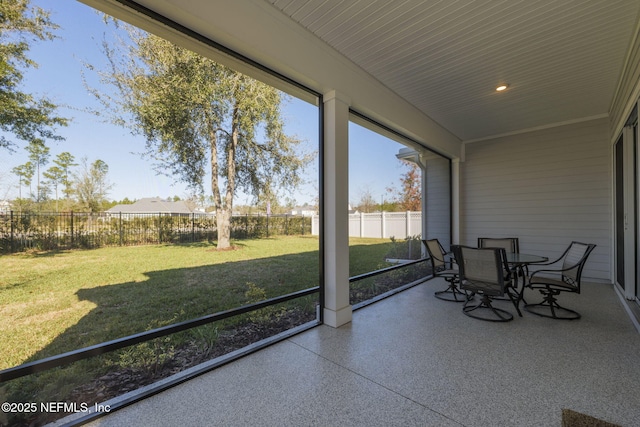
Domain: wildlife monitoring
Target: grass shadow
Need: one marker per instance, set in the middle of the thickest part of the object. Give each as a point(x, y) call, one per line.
point(165, 297)
point(161, 298)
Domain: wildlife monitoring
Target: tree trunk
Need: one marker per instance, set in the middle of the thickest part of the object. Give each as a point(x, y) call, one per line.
point(223, 214)
point(223, 224)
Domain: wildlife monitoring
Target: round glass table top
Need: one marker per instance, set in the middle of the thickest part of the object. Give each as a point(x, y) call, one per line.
point(518, 258)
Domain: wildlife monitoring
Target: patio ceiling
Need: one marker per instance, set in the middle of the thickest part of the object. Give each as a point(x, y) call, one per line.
point(562, 60)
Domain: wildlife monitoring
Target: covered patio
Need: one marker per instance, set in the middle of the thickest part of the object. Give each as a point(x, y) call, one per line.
point(415, 360)
point(550, 160)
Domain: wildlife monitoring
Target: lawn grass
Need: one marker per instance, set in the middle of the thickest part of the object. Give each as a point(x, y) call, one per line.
point(367, 254)
point(53, 302)
point(58, 301)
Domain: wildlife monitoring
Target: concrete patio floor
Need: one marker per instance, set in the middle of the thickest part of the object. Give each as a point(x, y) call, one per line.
point(413, 360)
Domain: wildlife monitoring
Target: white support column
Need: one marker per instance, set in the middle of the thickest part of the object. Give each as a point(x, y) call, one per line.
point(337, 310)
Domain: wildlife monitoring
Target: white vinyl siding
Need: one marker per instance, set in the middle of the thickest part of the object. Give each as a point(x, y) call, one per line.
point(438, 200)
point(547, 187)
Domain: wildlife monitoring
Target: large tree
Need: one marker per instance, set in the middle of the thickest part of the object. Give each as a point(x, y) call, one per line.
point(200, 117)
point(55, 177)
point(92, 185)
point(22, 114)
point(25, 174)
point(64, 162)
point(366, 203)
point(39, 156)
point(409, 197)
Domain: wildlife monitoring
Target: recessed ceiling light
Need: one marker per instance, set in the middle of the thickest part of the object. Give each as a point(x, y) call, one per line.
point(502, 87)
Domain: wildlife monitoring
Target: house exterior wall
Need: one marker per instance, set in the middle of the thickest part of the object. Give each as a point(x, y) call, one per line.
point(547, 187)
point(438, 201)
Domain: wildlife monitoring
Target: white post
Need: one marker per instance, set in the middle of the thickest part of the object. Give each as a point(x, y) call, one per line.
point(361, 224)
point(383, 227)
point(337, 310)
point(408, 223)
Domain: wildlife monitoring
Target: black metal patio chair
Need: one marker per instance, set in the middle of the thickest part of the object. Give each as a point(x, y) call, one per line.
point(510, 244)
point(443, 265)
point(482, 272)
point(511, 274)
point(552, 282)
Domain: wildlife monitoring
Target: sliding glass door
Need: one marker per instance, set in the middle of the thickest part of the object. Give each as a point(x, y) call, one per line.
point(636, 199)
point(620, 215)
point(627, 221)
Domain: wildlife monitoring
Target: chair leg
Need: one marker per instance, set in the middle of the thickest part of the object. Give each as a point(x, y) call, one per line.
point(452, 293)
point(512, 291)
point(500, 315)
point(523, 272)
point(551, 308)
point(512, 294)
point(515, 301)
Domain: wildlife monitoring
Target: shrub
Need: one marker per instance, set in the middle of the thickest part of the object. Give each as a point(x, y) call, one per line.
point(409, 248)
point(266, 315)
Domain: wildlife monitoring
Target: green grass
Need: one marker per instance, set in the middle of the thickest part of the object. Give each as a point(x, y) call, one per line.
point(366, 254)
point(59, 301)
point(53, 302)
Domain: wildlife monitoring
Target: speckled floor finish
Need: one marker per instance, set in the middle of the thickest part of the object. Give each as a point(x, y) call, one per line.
point(413, 360)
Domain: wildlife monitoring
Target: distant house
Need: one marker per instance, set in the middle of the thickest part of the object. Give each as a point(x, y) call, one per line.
point(152, 205)
point(5, 206)
point(303, 211)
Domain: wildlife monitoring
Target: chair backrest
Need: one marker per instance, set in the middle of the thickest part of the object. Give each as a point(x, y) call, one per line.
point(575, 257)
point(510, 244)
point(481, 269)
point(436, 254)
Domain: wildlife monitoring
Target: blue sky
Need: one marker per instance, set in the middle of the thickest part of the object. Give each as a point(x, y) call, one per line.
point(373, 166)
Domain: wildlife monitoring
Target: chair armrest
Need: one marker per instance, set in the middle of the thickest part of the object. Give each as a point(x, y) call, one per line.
point(452, 258)
point(451, 265)
point(547, 263)
point(549, 272)
point(556, 270)
point(545, 271)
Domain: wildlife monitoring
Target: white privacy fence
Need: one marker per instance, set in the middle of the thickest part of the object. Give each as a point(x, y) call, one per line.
point(380, 224)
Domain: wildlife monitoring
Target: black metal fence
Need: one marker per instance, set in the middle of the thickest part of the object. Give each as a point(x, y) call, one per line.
point(20, 231)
